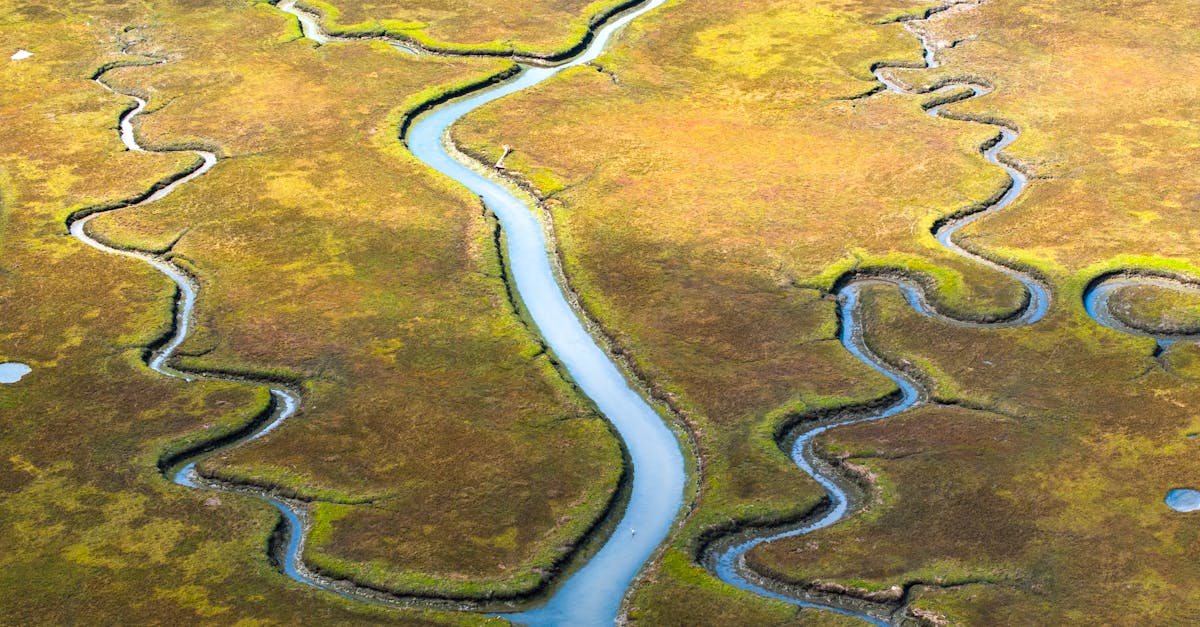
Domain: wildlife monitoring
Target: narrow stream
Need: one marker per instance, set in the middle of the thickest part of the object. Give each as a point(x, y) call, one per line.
point(729, 563)
point(1097, 302)
point(728, 560)
point(285, 401)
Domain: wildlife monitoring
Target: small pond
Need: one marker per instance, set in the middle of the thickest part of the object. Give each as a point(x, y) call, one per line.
point(11, 372)
point(1183, 500)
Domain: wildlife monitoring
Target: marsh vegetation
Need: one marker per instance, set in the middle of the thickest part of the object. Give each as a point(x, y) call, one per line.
point(710, 185)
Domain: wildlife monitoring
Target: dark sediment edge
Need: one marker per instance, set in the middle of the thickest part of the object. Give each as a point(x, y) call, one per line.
point(660, 398)
point(616, 350)
point(853, 484)
point(1167, 331)
point(551, 577)
point(926, 285)
point(595, 22)
point(246, 375)
point(919, 16)
point(447, 95)
point(581, 546)
point(174, 453)
point(139, 198)
point(711, 540)
point(183, 451)
point(112, 65)
point(153, 346)
point(889, 604)
point(175, 456)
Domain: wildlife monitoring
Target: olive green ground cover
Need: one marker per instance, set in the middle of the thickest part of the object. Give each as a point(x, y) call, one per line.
point(1046, 506)
point(1112, 193)
point(325, 255)
point(711, 174)
point(446, 454)
point(1157, 309)
point(542, 28)
point(708, 186)
point(1038, 499)
point(1095, 424)
point(1107, 119)
point(90, 531)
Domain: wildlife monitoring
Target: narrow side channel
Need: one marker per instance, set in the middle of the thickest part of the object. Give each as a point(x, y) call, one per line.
point(285, 401)
point(726, 557)
point(1097, 301)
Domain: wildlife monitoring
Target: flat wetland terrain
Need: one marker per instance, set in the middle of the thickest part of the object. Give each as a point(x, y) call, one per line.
point(712, 187)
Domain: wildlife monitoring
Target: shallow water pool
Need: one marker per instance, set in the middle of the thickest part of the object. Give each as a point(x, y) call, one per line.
point(1183, 500)
point(11, 372)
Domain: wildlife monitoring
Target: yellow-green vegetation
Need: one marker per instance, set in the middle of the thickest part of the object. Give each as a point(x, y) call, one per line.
point(1042, 489)
point(547, 29)
point(708, 186)
point(709, 182)
point(1093, 432)
point(1105, 117)
point(1158, 309)
point(465, 465)
point(90, 532)
point(712, 179)
point(324, 254)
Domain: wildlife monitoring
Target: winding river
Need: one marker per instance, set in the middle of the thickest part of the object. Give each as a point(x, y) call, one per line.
point(727, 558)
point(592, 594)
point(284, 401)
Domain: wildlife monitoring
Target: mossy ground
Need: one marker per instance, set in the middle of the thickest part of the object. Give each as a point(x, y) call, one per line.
point(1158, 309)
point(709, 180)
point(1095, 426)
point(1049, 498)
point(324, 249)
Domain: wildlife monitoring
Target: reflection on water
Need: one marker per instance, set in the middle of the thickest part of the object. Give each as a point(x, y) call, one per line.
point(1183, 500)
point(11, 372)
point(593, 594)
